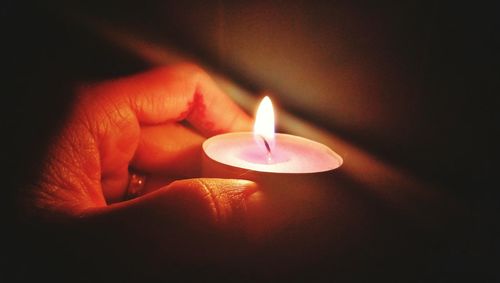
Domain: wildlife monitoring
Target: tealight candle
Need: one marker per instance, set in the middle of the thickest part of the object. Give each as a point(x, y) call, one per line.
point(287, 169)
point(264, 151)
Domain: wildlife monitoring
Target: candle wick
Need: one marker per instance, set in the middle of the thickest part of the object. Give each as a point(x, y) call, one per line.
point(267, 145)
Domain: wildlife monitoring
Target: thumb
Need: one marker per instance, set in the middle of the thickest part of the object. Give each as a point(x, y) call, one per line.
point(189, 219)
point(201, 201)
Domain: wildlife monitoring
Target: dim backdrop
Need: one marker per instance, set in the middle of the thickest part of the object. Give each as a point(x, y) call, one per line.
point(412, 82)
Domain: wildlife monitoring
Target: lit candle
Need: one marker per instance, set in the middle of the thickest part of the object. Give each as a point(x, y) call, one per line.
point(288, 170)
point(264, 151)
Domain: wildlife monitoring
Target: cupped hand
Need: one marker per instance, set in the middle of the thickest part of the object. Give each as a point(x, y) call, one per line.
point(153, 123)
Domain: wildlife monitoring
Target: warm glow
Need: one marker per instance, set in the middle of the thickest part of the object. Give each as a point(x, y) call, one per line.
point(264, 124)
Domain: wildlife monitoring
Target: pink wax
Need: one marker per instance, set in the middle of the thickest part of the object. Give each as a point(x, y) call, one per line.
point(290, 154)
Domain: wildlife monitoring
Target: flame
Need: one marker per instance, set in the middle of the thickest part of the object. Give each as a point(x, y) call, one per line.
point(263, 129)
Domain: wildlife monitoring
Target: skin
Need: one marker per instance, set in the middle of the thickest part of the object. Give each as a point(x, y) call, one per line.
point(154, 123)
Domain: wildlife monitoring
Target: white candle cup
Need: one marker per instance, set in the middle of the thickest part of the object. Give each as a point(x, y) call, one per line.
point(238, 154)
point(287, 180)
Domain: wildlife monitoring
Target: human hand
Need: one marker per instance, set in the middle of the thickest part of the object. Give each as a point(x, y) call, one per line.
point(154, 123)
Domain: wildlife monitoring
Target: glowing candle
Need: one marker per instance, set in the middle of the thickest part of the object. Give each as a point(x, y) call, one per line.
point(266, 151)
point(287, 168)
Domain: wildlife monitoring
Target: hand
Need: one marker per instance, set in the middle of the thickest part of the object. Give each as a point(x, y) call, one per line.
point(153, 123)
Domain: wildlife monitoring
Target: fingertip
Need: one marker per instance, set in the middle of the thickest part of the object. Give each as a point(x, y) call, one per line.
point(224, 199)
point(241, 122)
point(233, 186)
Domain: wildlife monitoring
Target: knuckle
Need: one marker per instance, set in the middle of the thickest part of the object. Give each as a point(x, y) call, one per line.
point(189, 67)
point(190, 71)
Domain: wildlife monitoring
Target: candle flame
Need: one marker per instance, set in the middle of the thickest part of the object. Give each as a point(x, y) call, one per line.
point(263, 128)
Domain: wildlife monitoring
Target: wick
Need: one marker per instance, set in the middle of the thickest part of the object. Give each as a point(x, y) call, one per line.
point(267, 147)
point(266, 144)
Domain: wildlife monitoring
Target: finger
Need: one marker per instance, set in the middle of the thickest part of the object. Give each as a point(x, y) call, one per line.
point(176, 93)
point(181, 219)
point(168, 94)
point(103, 132)
point(170, 148)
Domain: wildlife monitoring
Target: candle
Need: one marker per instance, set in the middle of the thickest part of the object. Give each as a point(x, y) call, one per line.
point(287, 169)
point(267, 152)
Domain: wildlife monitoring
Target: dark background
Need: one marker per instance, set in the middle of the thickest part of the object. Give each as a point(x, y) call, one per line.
point(415, 83)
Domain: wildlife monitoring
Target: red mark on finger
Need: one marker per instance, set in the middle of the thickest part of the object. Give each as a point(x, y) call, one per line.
point(196, 114)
